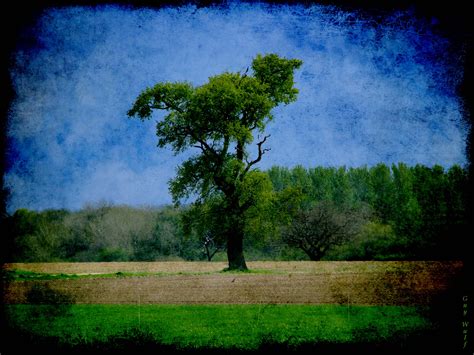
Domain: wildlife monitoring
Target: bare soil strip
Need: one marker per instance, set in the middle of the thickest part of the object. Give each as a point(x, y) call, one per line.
point(114, 267)
point(313, 267)
point(362, 283)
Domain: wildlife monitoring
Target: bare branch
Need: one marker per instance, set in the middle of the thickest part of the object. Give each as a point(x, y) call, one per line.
point(243, 76)
point(261, 152)
point(253, 126)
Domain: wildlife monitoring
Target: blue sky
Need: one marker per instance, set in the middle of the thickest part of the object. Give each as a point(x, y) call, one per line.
point(371, 90)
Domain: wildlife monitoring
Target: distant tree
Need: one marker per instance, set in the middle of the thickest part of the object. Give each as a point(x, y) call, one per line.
point(220, 119)
point(321, 181)
point(323, 227)
point(210, 247)
point(406, 212)
point(201, 221)
point(359, 179)
point(383, 192)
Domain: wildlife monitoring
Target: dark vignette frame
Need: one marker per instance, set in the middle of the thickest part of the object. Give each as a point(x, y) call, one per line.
point(454, 23)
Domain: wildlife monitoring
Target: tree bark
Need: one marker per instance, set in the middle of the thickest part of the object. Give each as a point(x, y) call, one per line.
point(313, 257)
point(234, 225)
point(235, 249)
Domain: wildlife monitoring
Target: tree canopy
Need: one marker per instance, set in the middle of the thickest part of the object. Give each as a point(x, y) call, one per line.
point(220, 120)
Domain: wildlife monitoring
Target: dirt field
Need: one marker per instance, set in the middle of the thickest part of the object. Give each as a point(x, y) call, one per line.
point(370, 283)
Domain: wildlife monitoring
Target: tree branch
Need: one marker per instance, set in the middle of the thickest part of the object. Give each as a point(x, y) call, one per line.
point(204, 146)
point(168, 106)
point(200, 147)
point(243, 76)
point(253, 126)
point(261, 152)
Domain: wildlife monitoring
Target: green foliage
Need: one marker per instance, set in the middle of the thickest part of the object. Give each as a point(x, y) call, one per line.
point(424, 208)
point(102, 233)
point(22, 275)
point(375, 242)
point(276, 74)
point(201, 220)
point(111, 254)
point(418, 212)
point(220, 119)
point(35, 235)
point(383, 196)
point(211, 117)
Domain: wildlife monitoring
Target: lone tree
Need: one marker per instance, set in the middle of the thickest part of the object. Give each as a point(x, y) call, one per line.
point(220, 119)
point(323, 227)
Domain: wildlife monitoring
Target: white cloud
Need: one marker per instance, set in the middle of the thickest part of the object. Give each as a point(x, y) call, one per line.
point(367, 94)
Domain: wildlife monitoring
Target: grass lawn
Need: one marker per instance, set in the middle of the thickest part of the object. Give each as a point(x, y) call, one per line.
point(219, 326)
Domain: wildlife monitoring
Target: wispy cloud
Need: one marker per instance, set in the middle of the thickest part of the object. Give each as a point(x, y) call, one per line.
point(368, 94)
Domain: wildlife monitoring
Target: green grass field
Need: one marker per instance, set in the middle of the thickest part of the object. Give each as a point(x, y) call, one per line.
point(221, 326)
point(61, 308)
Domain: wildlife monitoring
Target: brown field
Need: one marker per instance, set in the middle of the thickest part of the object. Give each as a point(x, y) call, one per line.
point(364, 283)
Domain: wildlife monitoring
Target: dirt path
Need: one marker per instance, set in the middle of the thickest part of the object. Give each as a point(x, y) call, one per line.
point(292, 283)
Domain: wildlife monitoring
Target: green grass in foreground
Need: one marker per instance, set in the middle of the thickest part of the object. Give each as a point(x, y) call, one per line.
point(222, 326)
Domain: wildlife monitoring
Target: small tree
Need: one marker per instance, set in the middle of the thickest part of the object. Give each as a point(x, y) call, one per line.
point(322, 227)
point(210, 247)
point(219, 121)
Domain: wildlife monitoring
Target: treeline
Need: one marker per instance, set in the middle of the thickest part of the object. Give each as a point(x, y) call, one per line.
point(101, 233)
point(418, 212)
point(415, 212)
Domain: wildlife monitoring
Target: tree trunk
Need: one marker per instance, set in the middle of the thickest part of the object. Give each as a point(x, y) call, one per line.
point(235, 249)
point(235, 233)
point(313, 256)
